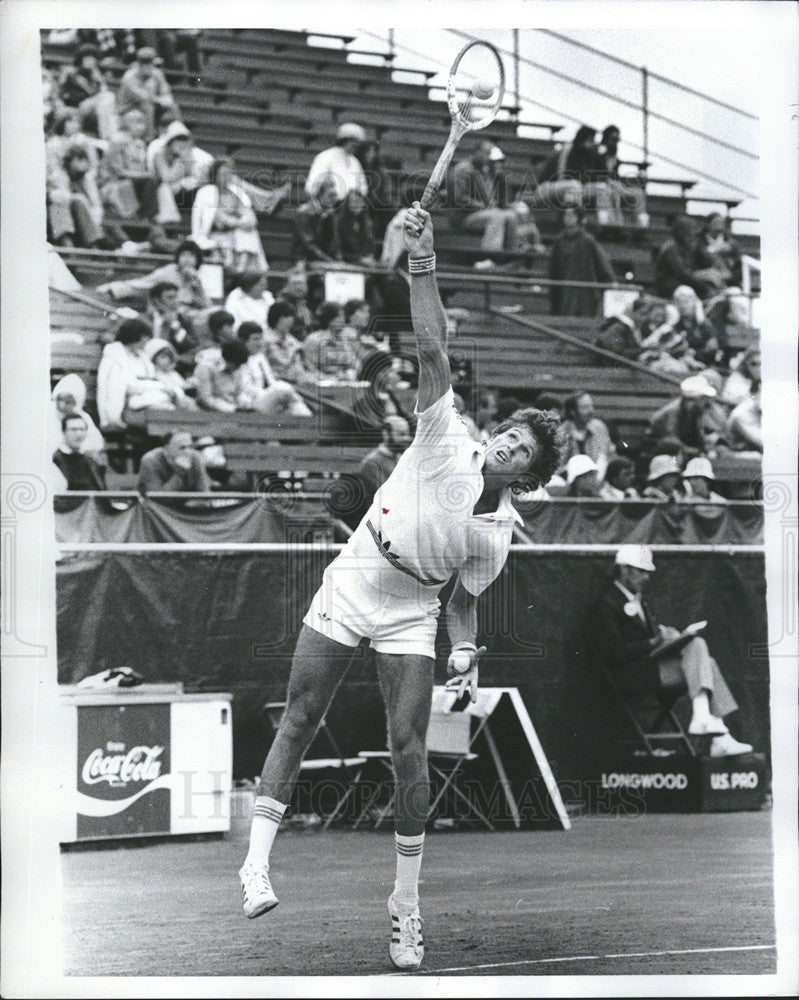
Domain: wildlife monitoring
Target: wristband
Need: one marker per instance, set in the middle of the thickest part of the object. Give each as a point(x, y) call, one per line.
point(422, 265)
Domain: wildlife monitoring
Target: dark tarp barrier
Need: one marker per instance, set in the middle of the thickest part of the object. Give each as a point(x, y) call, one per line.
point(228, 621)
point(280, 517)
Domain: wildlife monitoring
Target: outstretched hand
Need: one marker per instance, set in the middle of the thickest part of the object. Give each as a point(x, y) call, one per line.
point(418, 231)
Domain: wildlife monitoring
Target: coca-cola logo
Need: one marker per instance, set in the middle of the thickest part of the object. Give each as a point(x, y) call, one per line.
point(140, 763)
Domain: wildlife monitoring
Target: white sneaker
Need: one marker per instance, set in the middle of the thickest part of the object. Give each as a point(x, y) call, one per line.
point(711, 726)
point(407, 944)
point(728, 746)
point(259, 896)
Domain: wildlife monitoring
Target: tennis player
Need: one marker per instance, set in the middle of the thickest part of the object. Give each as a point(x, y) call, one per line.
point(445, 509)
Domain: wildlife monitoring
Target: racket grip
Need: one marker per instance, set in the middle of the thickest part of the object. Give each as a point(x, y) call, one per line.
point(439, 172)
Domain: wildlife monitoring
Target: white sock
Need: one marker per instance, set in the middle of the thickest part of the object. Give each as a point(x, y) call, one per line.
point(409, 862)
point(265, 821)
point(701, 707)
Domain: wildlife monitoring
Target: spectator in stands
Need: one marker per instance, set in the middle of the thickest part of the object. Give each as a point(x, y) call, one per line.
point(144, 88)
point(68, 400)
point(476, 204)
point(82, 80)
point(674, 263)
point(627, 636)
point(568, 177)
point(619, 479)
point(163, 357)
point(354, 238)
point(485, 405)
point(178, 170)
point(584, 433)
point(697, 479)
point(377, 465)
point(295, 293)
point(622, 195)
point(250, 301)
point(80, 469)
point(577, 256)
point(314, 225)
point(679, 418)
point(171, 42)
point(221, 328)
point(667, 350)
point(690, 321)
point(664, 481)
point(379, 197)
point(99, 112)
point(744, 430)
point(282, 349)
point(716, 250)
point(582, 477)
point(744, 379)
point(326, 353)
point(175, 467)
point(257, 387)
point(625, 333)
point(126, 382)
point(182, 273)
point(215, 378)
point(169, 323)
point(126, 185)
point(527, 232)
point(340, 164)
point(357, 329)
point(66, 134)
point(75, 209)
point(223, 219)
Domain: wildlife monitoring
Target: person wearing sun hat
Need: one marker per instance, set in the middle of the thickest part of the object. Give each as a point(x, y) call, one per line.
point(340, 163)
point(697, 477)
point(664, 479)
point(680, 417)
point(626, 635)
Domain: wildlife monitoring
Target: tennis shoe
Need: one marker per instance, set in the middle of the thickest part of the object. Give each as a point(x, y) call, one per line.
point(407, 944)
point(259, 896)
point(728, 746)
point(711, 726)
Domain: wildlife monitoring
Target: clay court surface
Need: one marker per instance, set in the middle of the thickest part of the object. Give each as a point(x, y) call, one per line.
point(658, 894)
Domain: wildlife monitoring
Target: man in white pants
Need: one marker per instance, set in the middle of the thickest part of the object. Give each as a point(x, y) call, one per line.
point(445, 508)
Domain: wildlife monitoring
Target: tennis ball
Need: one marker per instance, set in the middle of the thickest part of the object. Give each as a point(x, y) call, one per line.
point(483, 89)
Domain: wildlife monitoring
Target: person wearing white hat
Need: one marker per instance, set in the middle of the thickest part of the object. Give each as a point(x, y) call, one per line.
point(663, 481)
point(697, 477)
point(680, 417)
point(627, 636)
point(340, 163)
point(582, 477)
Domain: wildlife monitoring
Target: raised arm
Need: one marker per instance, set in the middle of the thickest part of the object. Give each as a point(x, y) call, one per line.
point(427, 313)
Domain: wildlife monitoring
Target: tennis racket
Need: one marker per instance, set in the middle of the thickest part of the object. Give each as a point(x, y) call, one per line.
point(475, 90)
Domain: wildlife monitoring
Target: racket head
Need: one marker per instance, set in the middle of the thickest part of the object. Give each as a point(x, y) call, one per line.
point(477, 62)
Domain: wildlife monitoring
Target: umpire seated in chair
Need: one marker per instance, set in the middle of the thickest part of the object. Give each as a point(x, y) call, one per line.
point(639, 653)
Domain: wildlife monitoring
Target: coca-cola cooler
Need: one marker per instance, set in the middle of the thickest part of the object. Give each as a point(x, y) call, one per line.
point(146, 761)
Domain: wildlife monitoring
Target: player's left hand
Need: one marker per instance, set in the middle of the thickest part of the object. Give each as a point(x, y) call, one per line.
point(462, 667)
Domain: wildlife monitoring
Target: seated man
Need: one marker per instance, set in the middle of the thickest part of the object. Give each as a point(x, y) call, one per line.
point(257, 387)
point(697, 477)
point(378, 464)
point(81, 471)
point(476, 205)
point(664, 480)
point(627, 637)
point(174, 468)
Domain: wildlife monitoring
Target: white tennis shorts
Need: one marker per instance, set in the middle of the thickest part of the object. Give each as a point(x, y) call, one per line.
point(347, 608)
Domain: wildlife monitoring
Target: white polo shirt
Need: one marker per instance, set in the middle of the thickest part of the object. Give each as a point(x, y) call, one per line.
point(420, 528)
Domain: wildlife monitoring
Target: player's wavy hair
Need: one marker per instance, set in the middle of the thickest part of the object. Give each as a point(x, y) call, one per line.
point(545, 427)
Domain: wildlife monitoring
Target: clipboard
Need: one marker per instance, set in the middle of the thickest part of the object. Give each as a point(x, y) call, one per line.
point(677, 643)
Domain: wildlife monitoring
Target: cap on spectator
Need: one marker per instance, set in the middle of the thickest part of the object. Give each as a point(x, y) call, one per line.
point(578, 465)
point(156, 345)
point(496, 154)
point(637, 556)
point(700, 467)
point(176, 130)
point(146, 54)
point(349, 130)
point(695, 387)
point(662, 465)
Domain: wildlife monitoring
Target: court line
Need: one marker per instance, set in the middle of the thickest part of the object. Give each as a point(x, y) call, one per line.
point(593, 958)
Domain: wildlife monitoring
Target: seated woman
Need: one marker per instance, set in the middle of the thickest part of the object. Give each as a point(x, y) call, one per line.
point(68, 399)
point(126, 382)
point(281, 347)
point(625, 333)
point(163, 356)
point(223, 220)
point(250, 301)
point(257, 388)
point(354, 238)
point(716, 250)
point(690, 320)
point(183, 273)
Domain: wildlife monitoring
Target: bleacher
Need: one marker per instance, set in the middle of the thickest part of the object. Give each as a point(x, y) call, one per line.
point(272, 100)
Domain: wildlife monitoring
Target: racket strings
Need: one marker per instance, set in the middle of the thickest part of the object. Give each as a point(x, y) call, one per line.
point(478, 68)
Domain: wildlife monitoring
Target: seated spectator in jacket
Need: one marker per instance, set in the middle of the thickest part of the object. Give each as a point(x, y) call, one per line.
point(127, 187)
point(223, 220)
point(295, 294)
point(358, 330)
point(664, 480)
point(698, 478)
point(674, 263)
point(80, 469)
point(326, 353)
point(315, 225)
point(175, 467)
point(144, 88)
point(98, 113)
point(126, 383)
point(582, 478)
point(251, 300)
point(170, 323)
point(679, 418)
point(164, 359)
point(584, 433)
point(354, 238)
point(75, 210)
point(340, 164)
point(744, 430)
point(183, 274)
point(744, 378)
point(577, 256)
point(627, 637)
point(283, 350)
point(215, 377)
point(568, 177)
point(619, 480)
point(180, 170)
point(68, 399)
point(82, 79)
point(690, 320)
point(221, 328)
point(378, 464)
point(716, 251)
point(67, 134)
point(622, 195)
point(625, 333)
point(257, 387)
point(476, 204)
point(666, 350)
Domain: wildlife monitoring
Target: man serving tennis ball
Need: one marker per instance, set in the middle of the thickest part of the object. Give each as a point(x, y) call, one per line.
point(445, 509)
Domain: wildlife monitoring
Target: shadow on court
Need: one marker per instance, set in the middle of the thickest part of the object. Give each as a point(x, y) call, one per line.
point(612, 896)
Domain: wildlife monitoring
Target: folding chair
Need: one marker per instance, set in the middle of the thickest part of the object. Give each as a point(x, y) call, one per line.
point(649, 720)
point(349, 766)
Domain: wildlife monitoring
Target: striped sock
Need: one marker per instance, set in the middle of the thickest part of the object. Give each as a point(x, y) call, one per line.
point(409, 861)
point(265, 820)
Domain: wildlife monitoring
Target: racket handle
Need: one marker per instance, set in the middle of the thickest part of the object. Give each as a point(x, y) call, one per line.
point(440, 170)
